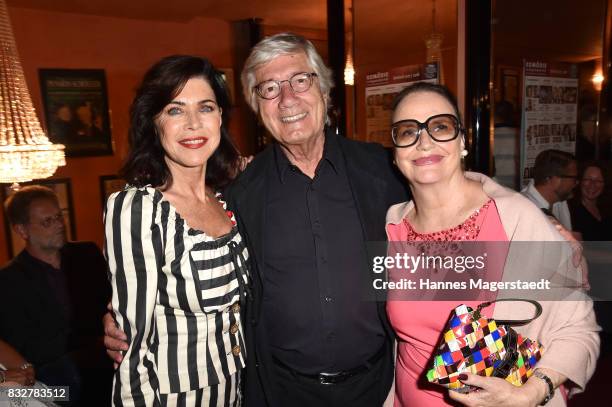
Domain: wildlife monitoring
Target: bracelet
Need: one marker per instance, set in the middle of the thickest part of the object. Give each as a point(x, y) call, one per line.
point(549, 383)
point(2, 376)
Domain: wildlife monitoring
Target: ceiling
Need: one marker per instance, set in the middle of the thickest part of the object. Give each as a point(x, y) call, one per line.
point(306, 14)
point(565, 29)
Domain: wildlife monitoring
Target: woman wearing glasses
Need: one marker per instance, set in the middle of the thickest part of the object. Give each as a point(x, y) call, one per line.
point(587, 217)
point(450, 204)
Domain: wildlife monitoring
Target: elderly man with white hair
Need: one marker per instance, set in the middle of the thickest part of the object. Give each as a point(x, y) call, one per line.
point(308, 204)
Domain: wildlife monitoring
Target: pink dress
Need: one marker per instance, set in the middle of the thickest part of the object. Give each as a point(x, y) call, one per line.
point(418, 324)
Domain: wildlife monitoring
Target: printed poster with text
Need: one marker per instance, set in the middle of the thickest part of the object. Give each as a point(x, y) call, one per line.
point(381, 88)
point(549, 116)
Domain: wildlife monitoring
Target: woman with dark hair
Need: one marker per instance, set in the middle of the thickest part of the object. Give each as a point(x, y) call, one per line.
point(178, 264)
point(451, 204)
point(587, 218)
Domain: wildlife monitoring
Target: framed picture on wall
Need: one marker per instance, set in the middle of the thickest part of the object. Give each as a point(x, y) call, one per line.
point(76, 110)
point(108, 185)
point(509, 83)
point(63, 189)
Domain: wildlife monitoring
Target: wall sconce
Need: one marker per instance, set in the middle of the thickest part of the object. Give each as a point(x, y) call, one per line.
point(597, 80)
point(349, 71)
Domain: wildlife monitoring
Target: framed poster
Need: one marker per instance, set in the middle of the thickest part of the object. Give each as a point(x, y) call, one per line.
point(550, 111)
point(63, 189)
point(380, 91)
point(76, 110)
point(108, 185)
point(509, 78)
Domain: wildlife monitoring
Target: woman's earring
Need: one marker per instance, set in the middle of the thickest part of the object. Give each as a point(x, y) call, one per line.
point(464, 152)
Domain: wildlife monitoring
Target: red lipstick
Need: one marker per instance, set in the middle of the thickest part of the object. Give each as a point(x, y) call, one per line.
point(193, 143)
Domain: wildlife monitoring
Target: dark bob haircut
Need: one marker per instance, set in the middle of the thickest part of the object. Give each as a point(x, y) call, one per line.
point(145, 163)
point(425, 87)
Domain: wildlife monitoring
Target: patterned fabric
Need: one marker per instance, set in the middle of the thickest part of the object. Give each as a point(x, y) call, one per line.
point(176, 294)
point(224, 394)
point(476, 345)
point(468, 230)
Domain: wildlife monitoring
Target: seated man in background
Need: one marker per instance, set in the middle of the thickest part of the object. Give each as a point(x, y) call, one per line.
point(53, 295)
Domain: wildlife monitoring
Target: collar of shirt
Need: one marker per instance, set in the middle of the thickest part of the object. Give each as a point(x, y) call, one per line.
point(534, 195)
point(331, 155)
point(34, 263)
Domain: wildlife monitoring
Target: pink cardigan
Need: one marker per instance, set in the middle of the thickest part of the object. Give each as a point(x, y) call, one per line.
point(567, 329)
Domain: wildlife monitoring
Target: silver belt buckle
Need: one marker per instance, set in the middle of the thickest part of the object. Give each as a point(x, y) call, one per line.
point(329, 378)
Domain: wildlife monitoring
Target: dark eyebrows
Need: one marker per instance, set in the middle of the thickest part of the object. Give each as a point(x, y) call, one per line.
point(179, 103)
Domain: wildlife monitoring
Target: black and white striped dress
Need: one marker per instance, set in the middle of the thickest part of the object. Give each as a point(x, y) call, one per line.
point(177, 295)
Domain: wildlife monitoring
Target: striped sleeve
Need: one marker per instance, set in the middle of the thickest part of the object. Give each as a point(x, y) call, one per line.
point(134, 251)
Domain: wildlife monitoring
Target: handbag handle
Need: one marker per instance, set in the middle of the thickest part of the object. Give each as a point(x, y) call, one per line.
point(511, 322)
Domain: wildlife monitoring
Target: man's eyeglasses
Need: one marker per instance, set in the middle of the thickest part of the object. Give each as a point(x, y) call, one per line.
point(300, 82)
point(572, 177)
point(50, 220)
point(441, 128)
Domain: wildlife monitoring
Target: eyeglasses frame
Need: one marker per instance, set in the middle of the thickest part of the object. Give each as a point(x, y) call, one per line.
point(424, 126)
point(311, 76)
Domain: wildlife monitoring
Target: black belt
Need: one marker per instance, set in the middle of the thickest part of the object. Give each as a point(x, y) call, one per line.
point(336, 377)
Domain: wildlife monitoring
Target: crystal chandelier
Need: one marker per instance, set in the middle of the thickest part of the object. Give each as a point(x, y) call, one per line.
point(433, 43)
point(25, 151)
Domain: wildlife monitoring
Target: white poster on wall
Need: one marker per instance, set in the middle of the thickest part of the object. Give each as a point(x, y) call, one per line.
point(549, 116)
point(380, 91)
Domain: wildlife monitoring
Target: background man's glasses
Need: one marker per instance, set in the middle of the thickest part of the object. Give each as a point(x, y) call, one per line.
point(50, 220)
point(300, 82)
point(572, 177)
point(441, 128)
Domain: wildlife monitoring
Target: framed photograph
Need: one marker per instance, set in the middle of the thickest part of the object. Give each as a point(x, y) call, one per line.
point(509, 85)
point(108, 185)
point(76, 110)
point(63, 189)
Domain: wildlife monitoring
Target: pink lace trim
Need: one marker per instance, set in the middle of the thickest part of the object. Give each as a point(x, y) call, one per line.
point(466, 231)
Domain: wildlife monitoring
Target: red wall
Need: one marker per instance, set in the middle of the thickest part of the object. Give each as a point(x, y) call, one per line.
point(124, 48)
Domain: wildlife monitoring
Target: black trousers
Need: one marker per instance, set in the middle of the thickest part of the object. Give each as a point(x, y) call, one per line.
point(368, 389)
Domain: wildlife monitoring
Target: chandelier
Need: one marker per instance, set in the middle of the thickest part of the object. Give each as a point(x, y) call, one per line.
point(433, 43)
point(25, 151)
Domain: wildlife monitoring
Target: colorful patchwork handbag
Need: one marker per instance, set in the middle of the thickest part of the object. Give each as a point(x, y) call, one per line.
point(479, 345)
